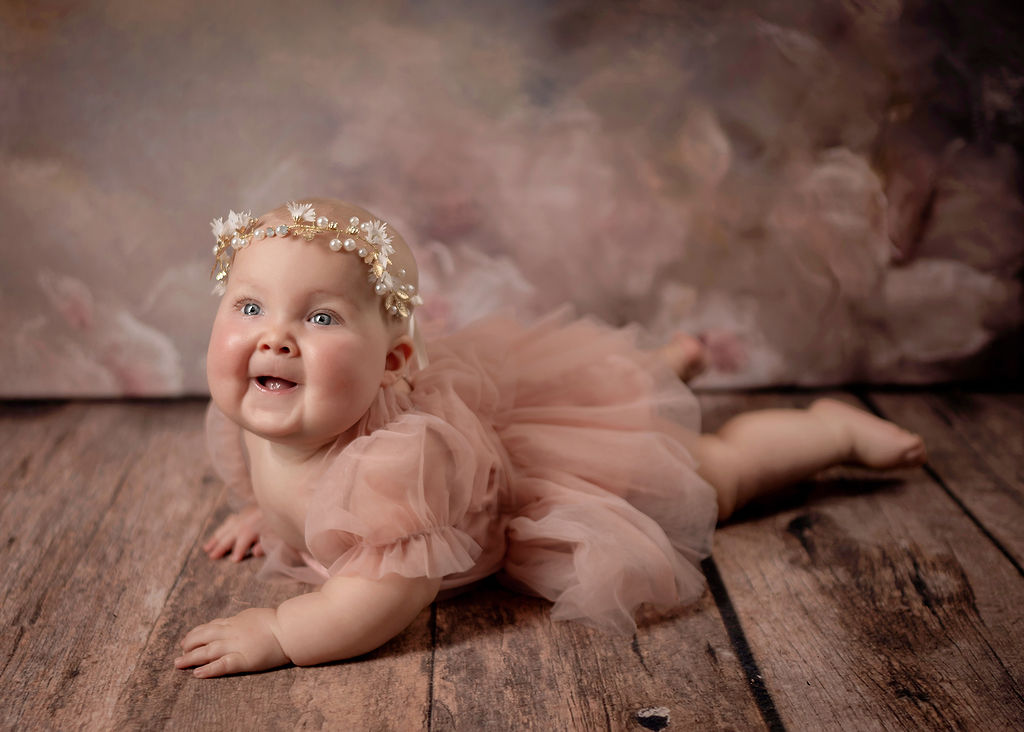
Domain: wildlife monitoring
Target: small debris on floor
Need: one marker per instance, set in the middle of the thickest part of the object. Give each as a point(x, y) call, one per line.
point(656, 718)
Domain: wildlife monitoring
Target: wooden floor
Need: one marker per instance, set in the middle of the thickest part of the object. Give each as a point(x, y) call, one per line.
point(863, 602)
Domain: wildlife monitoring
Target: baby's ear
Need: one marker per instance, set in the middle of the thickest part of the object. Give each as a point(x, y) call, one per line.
point(396, 364)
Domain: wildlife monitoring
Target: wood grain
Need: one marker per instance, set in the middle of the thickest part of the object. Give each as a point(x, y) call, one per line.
point(976, 445)
point(501, 663)
point(857, 601)
point(387, 689)
point(96, 530)
point(877, 604)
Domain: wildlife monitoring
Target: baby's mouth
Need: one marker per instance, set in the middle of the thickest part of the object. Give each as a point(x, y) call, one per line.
point(273, 383)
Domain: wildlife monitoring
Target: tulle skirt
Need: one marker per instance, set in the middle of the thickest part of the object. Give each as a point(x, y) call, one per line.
point(607, 511)
point(554, 455)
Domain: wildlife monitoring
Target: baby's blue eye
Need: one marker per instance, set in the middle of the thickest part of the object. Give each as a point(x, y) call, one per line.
point(321, 319)
point(250, 308)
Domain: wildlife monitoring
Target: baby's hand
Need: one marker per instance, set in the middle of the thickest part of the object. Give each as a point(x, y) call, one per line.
point(238, 534)
point(235, 645)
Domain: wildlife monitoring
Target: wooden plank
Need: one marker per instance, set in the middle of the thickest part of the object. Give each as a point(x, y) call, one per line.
point(42, 528)
point(501, 663)
point(30, 434)
point(103, 576)
point(26, 436)
point(101, 529)
point(976, 444)
point(387, 689)
point(876, 604)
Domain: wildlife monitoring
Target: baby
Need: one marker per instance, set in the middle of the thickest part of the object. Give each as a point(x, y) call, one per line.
point(557, 455)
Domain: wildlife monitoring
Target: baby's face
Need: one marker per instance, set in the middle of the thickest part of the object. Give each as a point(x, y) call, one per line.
point(299, 346)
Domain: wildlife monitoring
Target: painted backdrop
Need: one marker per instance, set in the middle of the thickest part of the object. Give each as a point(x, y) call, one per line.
point(824, 191)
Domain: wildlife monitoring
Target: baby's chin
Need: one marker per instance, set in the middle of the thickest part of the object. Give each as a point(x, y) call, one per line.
point(283, 422)
point(292, 434)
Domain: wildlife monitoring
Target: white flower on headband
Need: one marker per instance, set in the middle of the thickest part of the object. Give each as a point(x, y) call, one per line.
point(376, 232)
point(241, 228)
point(301, 211)
point(219, 228)
point(237, 221)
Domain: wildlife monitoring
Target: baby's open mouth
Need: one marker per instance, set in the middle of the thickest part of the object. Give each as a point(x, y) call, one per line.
point(272, 383)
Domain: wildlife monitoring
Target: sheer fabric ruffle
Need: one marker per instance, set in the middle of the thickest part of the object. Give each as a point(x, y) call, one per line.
point(554, 454)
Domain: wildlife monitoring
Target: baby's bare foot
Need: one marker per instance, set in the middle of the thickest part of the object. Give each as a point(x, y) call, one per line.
point(874, 442)
point(685, 355)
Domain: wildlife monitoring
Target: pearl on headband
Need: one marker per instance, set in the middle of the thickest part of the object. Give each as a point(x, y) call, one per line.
point(369, 240)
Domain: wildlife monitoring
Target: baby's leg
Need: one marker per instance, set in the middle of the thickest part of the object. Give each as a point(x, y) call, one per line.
point(758, 452)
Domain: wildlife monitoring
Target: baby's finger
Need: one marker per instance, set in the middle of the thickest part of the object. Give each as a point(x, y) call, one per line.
point(225, 529)
point(241, 548)
point(201, 655)
point(216, 548)
point(221, 551)
point(217, 537)
point(257, 549)
point(246, 542)
point(203, 634)
point(231, 663)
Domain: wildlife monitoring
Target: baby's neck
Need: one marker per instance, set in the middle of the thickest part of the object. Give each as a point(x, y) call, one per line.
point(286, 455)
point(282, 477)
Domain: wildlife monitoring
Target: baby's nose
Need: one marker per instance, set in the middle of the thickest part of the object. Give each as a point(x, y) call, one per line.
point(278, 344)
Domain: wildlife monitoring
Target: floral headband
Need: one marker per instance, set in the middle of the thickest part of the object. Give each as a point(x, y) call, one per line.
point(370, 240)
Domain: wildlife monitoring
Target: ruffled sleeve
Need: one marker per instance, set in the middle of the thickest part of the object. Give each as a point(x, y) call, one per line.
point(391, 502)
point(224, 445)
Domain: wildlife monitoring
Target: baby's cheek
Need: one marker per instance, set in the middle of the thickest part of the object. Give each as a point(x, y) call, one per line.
point(227, 358)
point(358, 362)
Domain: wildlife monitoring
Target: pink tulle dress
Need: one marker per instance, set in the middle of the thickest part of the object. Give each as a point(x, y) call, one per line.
point(552, 454)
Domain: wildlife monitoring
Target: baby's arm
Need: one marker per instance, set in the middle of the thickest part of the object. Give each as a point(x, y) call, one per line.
point(346, 617)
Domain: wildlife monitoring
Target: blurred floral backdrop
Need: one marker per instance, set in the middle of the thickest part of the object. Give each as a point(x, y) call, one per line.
point(825, 191)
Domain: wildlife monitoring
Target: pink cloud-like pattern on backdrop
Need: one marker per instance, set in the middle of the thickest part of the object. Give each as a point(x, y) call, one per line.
point(771, 176)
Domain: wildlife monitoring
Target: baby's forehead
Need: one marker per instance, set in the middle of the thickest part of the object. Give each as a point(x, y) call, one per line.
point(365, 252)
point(302, 265)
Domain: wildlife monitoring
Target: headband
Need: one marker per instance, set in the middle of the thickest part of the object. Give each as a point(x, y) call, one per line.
point(369, 240)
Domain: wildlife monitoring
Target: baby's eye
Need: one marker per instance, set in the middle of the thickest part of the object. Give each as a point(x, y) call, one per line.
point(250, 308)
point(321, 319)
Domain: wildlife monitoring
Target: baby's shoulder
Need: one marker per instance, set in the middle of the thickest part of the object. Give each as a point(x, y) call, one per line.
point(442, 436)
